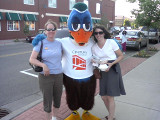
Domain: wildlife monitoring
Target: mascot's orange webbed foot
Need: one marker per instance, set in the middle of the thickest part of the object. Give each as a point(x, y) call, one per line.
point(88, 116)
point(74, 116)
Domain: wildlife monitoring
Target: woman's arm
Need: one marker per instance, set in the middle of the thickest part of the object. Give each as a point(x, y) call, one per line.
point(33, 60)
point(119, 58)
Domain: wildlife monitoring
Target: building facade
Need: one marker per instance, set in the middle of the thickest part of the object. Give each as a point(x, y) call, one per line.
point(119, 20)
point(15, 14)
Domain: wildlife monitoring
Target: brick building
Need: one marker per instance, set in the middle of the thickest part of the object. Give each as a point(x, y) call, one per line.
point(14, 14)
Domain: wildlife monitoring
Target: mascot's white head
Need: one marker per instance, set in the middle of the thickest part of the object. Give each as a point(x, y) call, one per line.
point(80, 23)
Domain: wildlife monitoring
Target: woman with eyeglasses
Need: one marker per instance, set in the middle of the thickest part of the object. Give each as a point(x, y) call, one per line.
point(51, 78)
point(109, 55)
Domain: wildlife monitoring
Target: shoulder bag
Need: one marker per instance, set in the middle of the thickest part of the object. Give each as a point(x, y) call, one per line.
point(39, 57)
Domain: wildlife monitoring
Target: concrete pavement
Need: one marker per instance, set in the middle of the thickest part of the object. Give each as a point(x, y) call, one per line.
point(142, 83)
point(142, 101)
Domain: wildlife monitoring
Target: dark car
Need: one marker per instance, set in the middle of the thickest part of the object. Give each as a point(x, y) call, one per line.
point(114, 30)
point(60, 33)
point(30, 38)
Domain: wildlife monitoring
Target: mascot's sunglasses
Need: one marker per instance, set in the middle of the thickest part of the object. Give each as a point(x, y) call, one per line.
point(100, 33)
point(51, 29)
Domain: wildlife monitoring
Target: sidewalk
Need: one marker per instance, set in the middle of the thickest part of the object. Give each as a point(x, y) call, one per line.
point(142, 83)
point(10, 42)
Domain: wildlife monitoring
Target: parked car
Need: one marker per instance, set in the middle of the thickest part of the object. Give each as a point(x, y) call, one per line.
point(154, 34)
point(135, 39)
point(114, 30)
point(59, 34)
point(30, 38)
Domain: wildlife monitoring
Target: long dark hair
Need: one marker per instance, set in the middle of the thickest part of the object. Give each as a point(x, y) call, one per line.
point(106, 33)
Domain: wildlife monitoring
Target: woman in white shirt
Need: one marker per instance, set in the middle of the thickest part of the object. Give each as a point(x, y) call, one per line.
point(111, 83)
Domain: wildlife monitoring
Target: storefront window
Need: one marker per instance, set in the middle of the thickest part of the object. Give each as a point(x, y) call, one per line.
point(52, 3)
point(13, 26)
point(29, 2)
point(63, 24)
point(71, 4)
point(31, 25)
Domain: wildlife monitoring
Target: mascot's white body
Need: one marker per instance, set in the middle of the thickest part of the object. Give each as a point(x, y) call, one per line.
point(77, 59)
point(79, 81)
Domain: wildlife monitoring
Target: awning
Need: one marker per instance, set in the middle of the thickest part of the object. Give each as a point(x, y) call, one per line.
point(1, 17)
point(95, 21)
point(98, 21)
point(13, 16)
point(63, 19)
point(30, 17)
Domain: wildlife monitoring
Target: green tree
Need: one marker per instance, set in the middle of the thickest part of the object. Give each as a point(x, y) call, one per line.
point(148, 14)
point(126, 23)
point(26, 30)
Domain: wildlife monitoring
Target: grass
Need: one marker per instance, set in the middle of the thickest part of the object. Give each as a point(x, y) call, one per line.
point(146, 54)
point(16, 40)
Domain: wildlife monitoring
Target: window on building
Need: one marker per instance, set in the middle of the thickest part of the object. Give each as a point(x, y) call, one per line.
point(13, 26)
point(71, 4)
point(31, 25)
point(86, 2)
point(98, 8)
point(29, 2)
point(0, 26)
point(52, 3)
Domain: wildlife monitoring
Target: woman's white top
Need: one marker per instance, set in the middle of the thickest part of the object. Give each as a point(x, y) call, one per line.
point(107, 52)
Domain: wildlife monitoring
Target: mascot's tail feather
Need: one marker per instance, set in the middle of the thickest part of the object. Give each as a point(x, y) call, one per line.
point(38, 38)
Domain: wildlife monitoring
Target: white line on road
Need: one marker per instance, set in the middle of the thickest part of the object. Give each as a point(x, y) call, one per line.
point(27, 73)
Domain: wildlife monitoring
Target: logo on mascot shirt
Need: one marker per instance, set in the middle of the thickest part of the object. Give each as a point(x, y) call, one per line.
point(78, 63)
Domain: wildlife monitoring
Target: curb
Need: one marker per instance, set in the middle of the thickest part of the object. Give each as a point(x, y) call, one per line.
point(21, 110)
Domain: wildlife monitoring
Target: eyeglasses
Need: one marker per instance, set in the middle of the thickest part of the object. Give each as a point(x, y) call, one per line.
point(51, 29)
point(100, 33)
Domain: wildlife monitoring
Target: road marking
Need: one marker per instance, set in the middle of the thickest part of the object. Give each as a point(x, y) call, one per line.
point(15, 54)
point(27, 73)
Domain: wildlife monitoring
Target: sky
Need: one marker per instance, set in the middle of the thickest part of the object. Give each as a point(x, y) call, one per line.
point(123, 8)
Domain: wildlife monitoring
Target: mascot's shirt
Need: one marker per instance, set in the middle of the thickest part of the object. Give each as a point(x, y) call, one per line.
point(76, 60)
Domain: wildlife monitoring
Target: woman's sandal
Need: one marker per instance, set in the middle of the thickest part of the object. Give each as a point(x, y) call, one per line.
point(107, 118)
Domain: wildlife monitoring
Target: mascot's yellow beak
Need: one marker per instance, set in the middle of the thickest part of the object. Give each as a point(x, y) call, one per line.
point(81, 37)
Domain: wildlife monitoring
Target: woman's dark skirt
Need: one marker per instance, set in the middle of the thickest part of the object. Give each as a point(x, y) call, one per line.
point(111, 83)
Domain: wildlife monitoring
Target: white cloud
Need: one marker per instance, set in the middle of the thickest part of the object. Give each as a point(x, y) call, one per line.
point(123, 8)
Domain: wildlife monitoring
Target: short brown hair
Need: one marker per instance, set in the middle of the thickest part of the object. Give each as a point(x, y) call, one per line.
point(50, 22)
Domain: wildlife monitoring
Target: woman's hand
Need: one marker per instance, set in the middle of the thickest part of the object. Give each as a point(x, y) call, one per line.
point(46, 70)
point(109, 66)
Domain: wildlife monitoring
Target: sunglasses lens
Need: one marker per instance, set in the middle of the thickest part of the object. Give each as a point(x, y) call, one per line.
point(51, 29)
point(100, 33)
point(96, 33)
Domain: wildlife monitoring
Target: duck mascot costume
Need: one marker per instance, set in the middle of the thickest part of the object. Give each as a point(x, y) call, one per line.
point(79, 81)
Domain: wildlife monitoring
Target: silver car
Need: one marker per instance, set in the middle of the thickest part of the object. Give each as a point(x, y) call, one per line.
point(135, 39)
